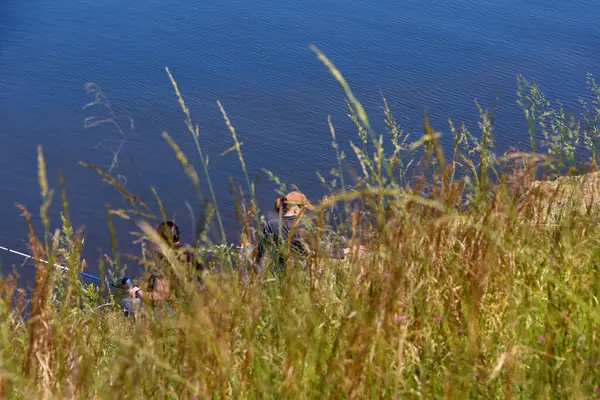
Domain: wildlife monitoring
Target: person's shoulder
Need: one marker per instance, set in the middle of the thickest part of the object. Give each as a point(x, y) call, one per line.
point(270, 224)
point(272, 221)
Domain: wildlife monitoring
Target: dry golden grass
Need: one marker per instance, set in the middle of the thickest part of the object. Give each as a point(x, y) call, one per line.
point(474, 287)
point(578, 194)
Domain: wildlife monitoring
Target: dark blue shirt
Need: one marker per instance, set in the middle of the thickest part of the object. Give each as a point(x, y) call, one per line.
point(274, 235)
point(276, 232)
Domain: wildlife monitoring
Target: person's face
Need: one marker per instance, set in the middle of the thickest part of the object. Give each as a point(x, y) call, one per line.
point(296, 210)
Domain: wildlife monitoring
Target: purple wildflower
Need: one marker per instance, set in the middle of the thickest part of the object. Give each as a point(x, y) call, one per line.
point(541, 339)
point(399, 319)
point(460, 330)
point(598, 390)
point(440, 319)
point(577, 266)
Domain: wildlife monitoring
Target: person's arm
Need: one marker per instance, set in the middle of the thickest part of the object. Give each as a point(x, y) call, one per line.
point(304, 239)
point(135, 292)
point(342, 253)
point(360, 250)
point(260, 246)
point(334, 253)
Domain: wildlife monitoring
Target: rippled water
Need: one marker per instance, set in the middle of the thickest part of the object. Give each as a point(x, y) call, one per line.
point(254, 57)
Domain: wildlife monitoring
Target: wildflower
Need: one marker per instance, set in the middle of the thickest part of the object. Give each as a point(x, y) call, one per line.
point(577, 266)
point(399, 319)
point(460, 331)
point(541, 339)
point(440, 319)
point(598, 390)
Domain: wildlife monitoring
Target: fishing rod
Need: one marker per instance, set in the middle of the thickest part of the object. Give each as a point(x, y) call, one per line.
point(62, 267)
point(85, 275)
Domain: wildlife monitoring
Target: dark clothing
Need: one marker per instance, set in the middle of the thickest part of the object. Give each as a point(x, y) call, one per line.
point(275, 233)
point(130, 306)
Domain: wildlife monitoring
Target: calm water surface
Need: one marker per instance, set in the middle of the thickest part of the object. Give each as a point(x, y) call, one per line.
point(254, 57)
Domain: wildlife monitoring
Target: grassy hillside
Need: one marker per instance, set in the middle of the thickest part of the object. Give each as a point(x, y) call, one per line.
point(480, 281)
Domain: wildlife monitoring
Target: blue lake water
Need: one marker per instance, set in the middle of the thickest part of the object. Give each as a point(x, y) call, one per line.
point(254, 57)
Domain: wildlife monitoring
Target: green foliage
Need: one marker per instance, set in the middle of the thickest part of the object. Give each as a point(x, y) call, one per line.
point(495, 300)
point(591, 116)
point(560, 133)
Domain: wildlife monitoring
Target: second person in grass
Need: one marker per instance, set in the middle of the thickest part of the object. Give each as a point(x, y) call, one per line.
point(161, 272)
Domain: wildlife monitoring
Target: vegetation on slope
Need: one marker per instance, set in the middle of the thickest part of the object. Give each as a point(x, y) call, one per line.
point(468, 290)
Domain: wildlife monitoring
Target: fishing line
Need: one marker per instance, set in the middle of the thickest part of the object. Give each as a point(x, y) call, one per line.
point(61, 267)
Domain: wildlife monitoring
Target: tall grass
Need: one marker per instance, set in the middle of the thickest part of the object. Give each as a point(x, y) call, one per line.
point(479, 281)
